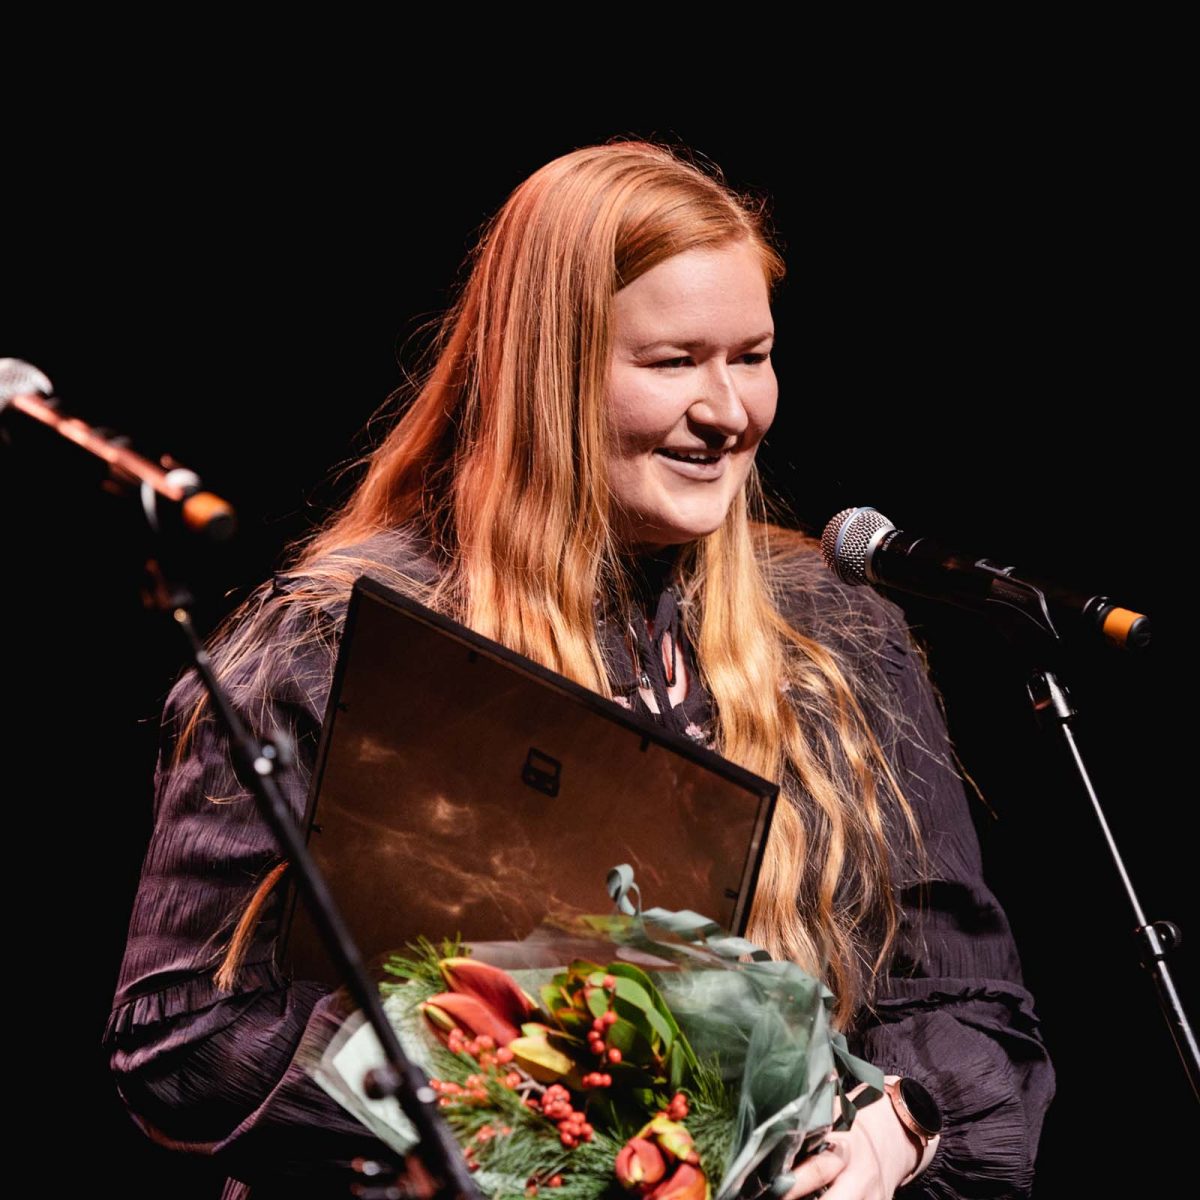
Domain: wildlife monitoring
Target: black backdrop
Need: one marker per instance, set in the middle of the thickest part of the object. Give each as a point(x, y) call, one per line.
point(975, 336)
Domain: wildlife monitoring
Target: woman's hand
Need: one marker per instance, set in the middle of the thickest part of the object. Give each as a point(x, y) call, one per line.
point(867, 1162)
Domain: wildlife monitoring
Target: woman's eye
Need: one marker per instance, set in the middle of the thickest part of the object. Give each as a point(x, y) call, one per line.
point(686, 361)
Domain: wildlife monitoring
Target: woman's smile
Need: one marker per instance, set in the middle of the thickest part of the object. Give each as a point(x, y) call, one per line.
point(695, 464)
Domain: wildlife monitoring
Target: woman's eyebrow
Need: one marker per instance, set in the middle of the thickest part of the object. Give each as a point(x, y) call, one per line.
point(697, 343)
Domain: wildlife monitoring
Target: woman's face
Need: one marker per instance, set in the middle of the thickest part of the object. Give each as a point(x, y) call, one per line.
point(691, 392)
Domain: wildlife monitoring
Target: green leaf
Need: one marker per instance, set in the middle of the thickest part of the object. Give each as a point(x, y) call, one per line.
point(633, 994)
point(676, 1064)
point(625, 1035)
point(628, 1015)
point(638, 976)
point(664, 1011)
point(635, 1047)
point(596, 999)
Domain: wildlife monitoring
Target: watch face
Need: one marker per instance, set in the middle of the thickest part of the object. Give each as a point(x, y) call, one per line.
point(921, 1105)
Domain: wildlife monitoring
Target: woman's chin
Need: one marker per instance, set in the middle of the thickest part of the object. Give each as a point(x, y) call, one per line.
point(647, 537)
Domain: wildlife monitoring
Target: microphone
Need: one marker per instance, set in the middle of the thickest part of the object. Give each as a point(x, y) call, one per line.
point(861, 546)
point(26, 389)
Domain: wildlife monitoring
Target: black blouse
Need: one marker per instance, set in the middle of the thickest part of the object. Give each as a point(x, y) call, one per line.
point(224, 1074)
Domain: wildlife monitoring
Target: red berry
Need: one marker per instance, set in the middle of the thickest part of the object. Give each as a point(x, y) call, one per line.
point(504, 1055)
point(555, 1181)
point(610, 982)
point(610, 1017)
point(614, 1055)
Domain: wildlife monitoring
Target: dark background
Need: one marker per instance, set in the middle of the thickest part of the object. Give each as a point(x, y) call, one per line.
point(979, 335)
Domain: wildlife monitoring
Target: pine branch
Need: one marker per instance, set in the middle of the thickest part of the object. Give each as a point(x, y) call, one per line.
point(422, 966)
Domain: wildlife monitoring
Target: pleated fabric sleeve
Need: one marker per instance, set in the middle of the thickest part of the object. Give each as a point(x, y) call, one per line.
point(953, 1011)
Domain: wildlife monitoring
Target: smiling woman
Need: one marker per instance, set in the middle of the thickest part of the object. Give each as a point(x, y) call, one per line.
point(691, 390)
point(573, 476)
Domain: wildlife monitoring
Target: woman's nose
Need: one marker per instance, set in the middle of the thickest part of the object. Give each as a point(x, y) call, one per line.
point(719, 404)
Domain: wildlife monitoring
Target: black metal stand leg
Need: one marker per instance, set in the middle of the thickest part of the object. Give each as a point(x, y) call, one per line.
point(1155, 939)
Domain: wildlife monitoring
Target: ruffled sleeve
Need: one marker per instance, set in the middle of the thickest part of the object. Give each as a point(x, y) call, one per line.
point(953, 1012)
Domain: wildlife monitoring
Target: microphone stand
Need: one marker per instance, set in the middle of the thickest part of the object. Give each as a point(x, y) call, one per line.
point(1156, 939)
point(260, 763)
point(173, 503)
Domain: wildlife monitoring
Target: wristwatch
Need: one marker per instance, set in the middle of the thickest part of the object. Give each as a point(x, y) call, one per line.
point(916, 1110)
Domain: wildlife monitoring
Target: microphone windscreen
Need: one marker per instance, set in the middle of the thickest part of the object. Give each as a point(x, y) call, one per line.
point(847, 540)
point(19, 378)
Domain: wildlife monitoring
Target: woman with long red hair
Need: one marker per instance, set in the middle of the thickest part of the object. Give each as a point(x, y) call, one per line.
point(573, 476)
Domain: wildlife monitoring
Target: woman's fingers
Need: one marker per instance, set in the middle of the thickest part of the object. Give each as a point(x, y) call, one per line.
point(815, 1172)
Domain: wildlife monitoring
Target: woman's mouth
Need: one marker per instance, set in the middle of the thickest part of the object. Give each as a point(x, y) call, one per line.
point(690, 455)
point(694, 464)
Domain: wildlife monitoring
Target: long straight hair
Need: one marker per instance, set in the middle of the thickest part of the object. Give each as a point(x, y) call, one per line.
point(499, 460)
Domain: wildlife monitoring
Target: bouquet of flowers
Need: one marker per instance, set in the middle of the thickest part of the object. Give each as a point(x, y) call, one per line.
point(649, 1060)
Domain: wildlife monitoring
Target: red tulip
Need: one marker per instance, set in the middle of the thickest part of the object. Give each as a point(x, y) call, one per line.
point(688, 1183)
point(640, 1164)
point(453, 1010)
point(493, 987)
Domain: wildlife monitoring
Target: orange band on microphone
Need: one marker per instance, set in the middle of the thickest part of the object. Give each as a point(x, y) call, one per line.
point(1117, 624)
point(200, 510)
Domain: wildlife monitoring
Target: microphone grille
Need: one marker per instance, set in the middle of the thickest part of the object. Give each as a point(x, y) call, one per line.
point(18, 378)
point(846, 540)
